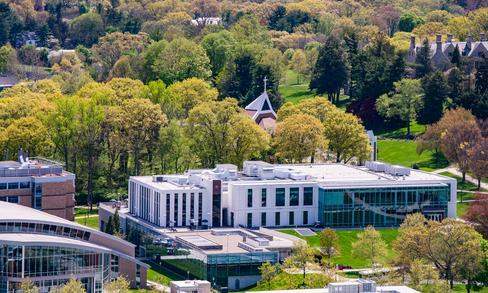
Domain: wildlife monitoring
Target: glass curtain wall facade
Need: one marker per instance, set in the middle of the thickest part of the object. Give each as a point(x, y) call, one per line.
point(218, 268)
point(45, 266)
point(380, 207)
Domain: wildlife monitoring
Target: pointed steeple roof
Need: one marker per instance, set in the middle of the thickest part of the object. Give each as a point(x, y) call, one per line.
point(261, 106)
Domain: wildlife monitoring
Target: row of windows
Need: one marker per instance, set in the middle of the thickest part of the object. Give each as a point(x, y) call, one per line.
point(14, 185)
point(294, 199)
point(11, 199)
point(277, 222)
point(37, 228)
point(48, 261)
point(143, 209)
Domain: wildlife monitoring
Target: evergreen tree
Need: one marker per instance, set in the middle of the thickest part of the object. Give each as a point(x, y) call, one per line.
point(5, 23)
point(275, 20)
point(454, 81)
point(436, 91)
point(330, 72)
point(456, 57)
point(481, 77)
point(116, 221)
point(422, 59)
point(109, 228)
point(43, 34)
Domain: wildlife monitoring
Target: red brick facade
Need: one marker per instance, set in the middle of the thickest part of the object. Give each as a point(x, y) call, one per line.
point(58, 198)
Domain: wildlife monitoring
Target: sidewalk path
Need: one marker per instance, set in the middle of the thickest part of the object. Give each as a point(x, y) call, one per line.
point(453, 170)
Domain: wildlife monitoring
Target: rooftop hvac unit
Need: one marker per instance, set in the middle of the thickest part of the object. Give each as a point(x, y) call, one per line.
point(298, 176)
point(397, 171)
point(282, 173)
point(158, 178)
point(376, 166)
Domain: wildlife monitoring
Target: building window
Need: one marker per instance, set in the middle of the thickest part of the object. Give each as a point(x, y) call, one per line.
point(277, 219)
point(13, 185)
point(11, 199)
point(280, 197)
point(308, 196)
point(192, 207)
point(291, 218)
point(168, 209)
point(305, 217)
point(249, 220)
point(24, 185)
point(175, 211)
point(200, 202)
point(263, 219)
point(157, 196)
point(294, 196)
point(249, 198)
point(3, 186)
point(37, 190)
point(263, 197)
point(183, 213)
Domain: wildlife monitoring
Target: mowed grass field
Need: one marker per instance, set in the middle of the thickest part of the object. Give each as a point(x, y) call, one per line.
point(346, 239)
point(404, 152)
point(84, 217)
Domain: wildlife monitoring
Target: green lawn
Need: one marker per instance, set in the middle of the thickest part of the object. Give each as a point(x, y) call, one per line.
point(293, 92)
point(400, 133)
point(462, 288)
point(158, 277)
point(346, 238)
point(461, 209)
point(84, 217)
point(462, 185)
point(404, 152)
point(91, 221)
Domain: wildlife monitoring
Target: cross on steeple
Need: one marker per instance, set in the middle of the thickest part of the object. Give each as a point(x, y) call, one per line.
point(265, 82)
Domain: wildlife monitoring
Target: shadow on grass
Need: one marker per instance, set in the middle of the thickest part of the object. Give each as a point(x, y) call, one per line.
point(437, 161)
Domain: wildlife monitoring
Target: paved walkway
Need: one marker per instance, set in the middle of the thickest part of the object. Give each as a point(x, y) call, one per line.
point(453, 170)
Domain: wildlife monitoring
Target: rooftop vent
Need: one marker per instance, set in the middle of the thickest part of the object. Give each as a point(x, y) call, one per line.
point(397, 170)
point(158, 178)
point(376, 166)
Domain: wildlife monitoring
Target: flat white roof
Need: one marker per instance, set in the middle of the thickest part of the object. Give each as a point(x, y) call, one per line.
point(10, 212)
point(165, 185)
point(325, 175)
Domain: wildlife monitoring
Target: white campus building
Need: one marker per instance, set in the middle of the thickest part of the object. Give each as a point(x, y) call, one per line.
point(267, 195)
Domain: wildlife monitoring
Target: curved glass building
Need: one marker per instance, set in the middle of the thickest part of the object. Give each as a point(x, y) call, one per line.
point(49, 251)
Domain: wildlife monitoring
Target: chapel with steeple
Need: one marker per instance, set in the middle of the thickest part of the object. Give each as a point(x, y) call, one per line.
point(261, 111)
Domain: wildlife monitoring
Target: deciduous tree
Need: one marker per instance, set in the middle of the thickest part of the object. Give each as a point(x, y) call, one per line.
point(73, 286)
point(298, 137)
point(370, 246)
point(268, 272)
point(329, 245)
point(141, 121)
point(448, 245)
point(459, 133)
point(477, 213)
point(478, 159)
point(86, 28)
point(347, 137)
point(119, 285)
point(182, 59)
point(301, 257)
point(189, 93)
point(404, 103)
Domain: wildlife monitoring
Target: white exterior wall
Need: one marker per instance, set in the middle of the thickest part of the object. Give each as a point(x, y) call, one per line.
point(238, 199)
point(138, 210)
